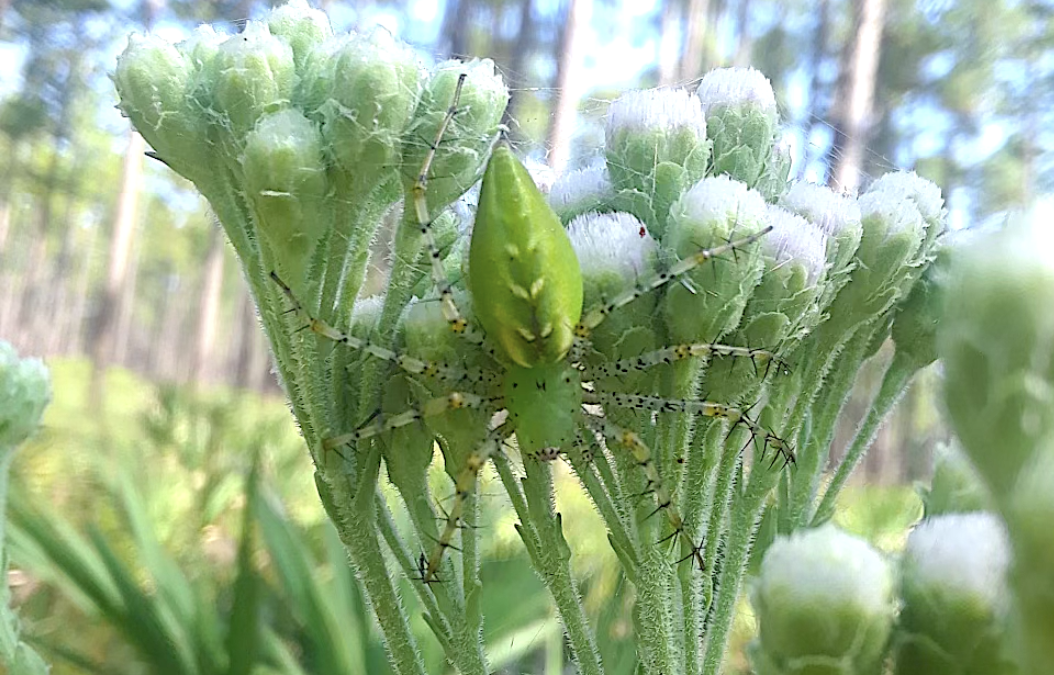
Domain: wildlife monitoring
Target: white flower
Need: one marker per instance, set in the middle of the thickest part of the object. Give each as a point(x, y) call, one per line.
point(736, 87)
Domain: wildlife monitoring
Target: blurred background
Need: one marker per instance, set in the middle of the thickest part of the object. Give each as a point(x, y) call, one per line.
point(169, 435)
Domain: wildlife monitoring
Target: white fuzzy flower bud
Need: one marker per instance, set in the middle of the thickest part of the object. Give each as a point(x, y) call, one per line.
point(581, 191)
point(955, 596)
point(794, 240)
point(611, 242)
point(736, 87)
point(655, 109)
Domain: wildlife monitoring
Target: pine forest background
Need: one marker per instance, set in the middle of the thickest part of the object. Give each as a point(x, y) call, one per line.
point(112, 268)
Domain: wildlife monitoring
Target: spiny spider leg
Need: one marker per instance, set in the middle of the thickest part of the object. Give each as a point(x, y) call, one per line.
point(679, 353)
point(456, 400)
point(642, 454)
point(403, 361)
point(596, 316)
point(705, 408)
point(463, 486)
point(457, 322)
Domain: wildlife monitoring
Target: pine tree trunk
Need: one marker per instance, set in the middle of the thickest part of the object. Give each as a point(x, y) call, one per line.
point(568, 83)
point(852, 112)
point(669, 42)
point(516, 77)
point(104, 338)
point(695, 26)
point(209, 303)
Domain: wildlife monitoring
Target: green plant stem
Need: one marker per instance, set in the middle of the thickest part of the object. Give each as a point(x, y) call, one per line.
point(357, 527)
point(894, 383)
point(824, 418)
point(746, 516)
point(542, 534)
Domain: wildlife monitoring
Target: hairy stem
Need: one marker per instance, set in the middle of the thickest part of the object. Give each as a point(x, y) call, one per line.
point(894, 383)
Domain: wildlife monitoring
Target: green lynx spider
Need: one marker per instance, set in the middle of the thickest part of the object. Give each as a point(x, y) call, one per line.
point(532, 331)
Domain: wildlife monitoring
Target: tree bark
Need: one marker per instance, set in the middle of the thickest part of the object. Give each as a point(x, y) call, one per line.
point(516, 76)
point(695, 26)
point(568, 83)
point(669, 42)
point(120, 249)
point(852, 113)
point(208, 316)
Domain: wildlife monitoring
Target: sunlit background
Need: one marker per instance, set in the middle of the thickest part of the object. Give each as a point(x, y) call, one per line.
point(112, 268)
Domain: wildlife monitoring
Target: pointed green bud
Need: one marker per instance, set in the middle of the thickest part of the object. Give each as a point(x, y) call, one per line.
point(526, 282)
point(995, 339)
point(615, 251)
point(461, 155)
point(955, 597)
point(741, 120)
point(587, 190)
point(153, 80)
point(363, 92)
point(301, 26)
point(710, 214)
point(25, 390)
point(656, 145)
point(253, 74)
point(956, 486)
point(825, 606)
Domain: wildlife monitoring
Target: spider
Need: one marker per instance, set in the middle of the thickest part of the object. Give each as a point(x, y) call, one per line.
point(522, 349)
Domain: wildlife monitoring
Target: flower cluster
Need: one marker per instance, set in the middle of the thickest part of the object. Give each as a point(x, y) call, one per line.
point(679, 321)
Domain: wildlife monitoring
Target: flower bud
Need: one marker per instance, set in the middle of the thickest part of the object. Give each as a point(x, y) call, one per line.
point(741, 119)
point(925, 195)
point(955, 487)
point(300, 26)
point(773, 182)
point(285, 181)
point(713, 212)
point(892, 232)
point(823, 597)
point(955, 597)
point(656, 145)
point(253, 74)
point(995, 339)
point(838, 217)
point(363, 92)
point(153, 81)
point(915, 319)
point(615, 251)
point(461, 154)
point(587, 190)
point(25, 390)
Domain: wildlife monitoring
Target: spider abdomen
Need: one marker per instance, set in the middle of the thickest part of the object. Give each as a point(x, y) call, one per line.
point(543, 404)
point(523, 273)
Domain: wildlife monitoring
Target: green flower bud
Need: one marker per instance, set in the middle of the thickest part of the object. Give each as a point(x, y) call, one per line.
point(915, 319)
point(956, 487)
point(1029, 512)
point(363, 92)
point(462, 153)
point(955, 597)
point(783, 304)
point(301, 26)
point(925, 195)
point(153, 80)
point(741, 120)
point(838, 217)
point(995, 338)
point(253, 74)
point(285, 182)
point(710, 214)
point(890, 241)
point(773, 182)
point(582, 191)
point(615, 251)
point(824, 602)
point(25, 390)
point(657, 146)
